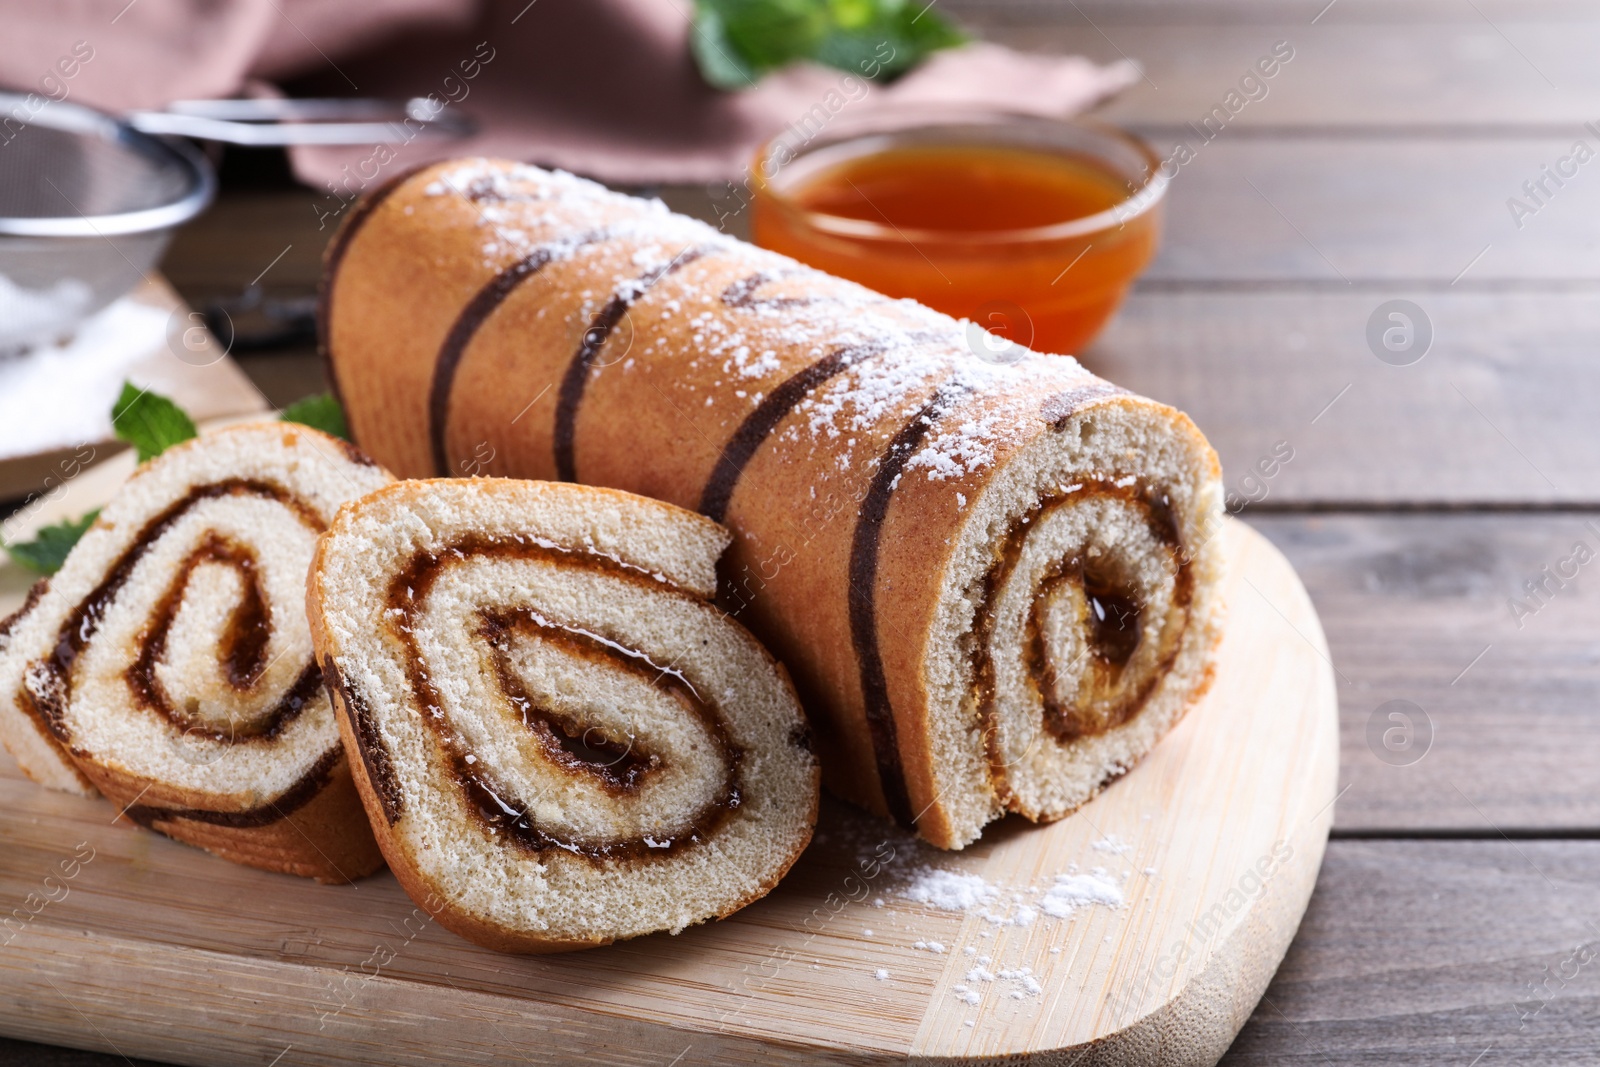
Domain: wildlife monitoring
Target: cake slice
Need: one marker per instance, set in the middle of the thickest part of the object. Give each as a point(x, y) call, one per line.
point(560, 740)
point(168, 664)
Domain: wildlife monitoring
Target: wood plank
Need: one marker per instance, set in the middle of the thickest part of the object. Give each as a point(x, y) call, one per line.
point(1488, 416)
point(1516, 355)
point(1238, 797)
point(1355, 209)
point(1435, 951)
point(1445, 67)
point(1417, 608)
point(272, 240)
point(1285, 353)
point(31, 1054)
point(1309, 206)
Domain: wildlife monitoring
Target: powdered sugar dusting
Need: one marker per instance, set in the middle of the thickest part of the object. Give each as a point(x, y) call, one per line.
point(896, 355)
point(960, 450)
point(893, 359)
point(1031, 940)
point(949, 890)
point(1112, 844)
point(522, 208)
point(1074, 891)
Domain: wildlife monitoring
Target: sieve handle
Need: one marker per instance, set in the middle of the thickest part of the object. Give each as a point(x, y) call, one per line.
point(263, 123)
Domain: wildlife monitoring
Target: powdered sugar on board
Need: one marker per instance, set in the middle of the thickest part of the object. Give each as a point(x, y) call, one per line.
point(1074, 891)
point(992, 947)
point(949, 890)
point(1013, 957)
point(1112, 844)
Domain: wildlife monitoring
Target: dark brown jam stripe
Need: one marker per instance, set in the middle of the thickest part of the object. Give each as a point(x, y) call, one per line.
point(759, 424)
point(576, 378)
point(776, 406)
point(24, 701)
point(1116, 623)
point(1056, 410)
point(302, 792)
point(369, 743)
point(50, 685)
point(242, 647)
point(619, 766)
point(487, 800)
point(742, 293)
point(35, 592)
point(863, 601)
point(244, 642)
point(478, 309)
point(333, 258)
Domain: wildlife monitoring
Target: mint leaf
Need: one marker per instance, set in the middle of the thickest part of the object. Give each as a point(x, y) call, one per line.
point(320, 412)
point(48, 550)
point(719, 59)
point(895, 39)
point(926, 29)
point(149, 421)
point(769, 33)
point(737, 41)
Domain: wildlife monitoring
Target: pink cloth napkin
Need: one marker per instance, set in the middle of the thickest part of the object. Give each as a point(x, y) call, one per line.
point(605, 88)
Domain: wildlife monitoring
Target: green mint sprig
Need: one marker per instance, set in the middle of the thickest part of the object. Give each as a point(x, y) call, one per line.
point(735, 42)
point(149, 421)
point(320, 412)
point(48, 550)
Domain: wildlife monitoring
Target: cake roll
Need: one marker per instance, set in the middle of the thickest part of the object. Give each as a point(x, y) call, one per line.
point(561, 742)
point(992, 575)
point(168, 664)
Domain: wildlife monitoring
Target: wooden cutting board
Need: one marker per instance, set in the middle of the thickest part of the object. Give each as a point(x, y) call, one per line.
point(1204, 857)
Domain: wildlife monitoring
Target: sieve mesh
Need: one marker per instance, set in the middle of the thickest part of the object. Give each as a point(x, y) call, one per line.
point(86, 207)
point(65, 173)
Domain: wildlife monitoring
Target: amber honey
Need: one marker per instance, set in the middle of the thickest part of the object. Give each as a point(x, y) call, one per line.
point(1035, 241)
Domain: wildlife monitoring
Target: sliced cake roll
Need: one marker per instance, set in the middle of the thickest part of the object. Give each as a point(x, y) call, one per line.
point(561, 741)
point(168, 663)
point(994, 576)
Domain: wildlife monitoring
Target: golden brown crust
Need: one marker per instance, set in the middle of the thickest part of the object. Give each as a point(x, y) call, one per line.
point(322, 834)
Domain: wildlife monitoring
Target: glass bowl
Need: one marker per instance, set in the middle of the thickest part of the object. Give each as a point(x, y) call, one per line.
point(1050, 284)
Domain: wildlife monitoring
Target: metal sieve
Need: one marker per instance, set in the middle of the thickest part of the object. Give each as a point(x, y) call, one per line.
point(88, 202)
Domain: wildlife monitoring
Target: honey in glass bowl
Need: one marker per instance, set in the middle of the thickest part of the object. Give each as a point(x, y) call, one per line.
point(1033, 228)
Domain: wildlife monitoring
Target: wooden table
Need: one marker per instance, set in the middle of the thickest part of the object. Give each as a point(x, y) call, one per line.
point(1457, 918)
